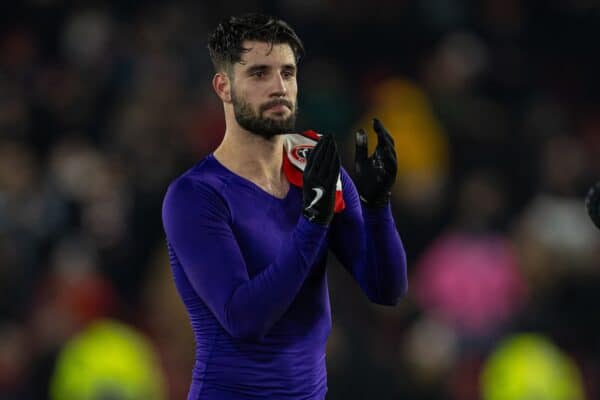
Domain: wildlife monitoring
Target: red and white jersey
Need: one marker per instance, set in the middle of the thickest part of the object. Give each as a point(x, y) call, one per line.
point(296, 147)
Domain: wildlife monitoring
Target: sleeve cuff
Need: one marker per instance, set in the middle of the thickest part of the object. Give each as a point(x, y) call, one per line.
point(381, 214)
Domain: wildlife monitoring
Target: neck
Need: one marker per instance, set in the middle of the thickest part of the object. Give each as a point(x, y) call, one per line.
point(253, 157)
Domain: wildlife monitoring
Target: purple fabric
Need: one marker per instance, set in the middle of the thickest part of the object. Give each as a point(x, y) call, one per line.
point(250, 270)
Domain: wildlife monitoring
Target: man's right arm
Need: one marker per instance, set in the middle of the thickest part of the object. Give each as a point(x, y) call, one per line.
point(196, 221)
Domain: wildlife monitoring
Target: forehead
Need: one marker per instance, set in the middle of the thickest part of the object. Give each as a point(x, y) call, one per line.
point(264, 53)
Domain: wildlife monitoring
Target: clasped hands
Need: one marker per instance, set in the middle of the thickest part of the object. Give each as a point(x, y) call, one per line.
point(374, 175)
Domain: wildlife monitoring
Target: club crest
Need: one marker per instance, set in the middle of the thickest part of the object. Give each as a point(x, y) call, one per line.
point(301, 152)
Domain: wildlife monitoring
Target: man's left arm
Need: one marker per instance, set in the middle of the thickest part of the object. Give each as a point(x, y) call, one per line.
point(364, 237)
point(367, 244)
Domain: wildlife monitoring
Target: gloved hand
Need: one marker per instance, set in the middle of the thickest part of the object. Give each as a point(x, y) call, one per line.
point(319, 179)
point(375, 175)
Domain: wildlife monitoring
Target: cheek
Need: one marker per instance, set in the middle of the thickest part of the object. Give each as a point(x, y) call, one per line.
point(293, 89)
point(250, 97)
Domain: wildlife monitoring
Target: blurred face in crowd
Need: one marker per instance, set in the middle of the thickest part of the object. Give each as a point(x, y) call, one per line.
point(264, 89)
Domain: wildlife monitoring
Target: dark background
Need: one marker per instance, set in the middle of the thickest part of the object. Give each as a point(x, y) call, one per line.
point(495, 109)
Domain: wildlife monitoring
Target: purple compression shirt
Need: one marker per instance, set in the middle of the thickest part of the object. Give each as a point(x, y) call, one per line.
point(250, 270)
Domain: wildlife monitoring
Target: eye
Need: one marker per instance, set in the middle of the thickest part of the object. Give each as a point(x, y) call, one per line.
point(258, 74)
point(287, 74)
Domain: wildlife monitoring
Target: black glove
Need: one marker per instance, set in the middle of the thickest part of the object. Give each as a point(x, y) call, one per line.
point(319, 179)
point(375, 175)
point(592, 203)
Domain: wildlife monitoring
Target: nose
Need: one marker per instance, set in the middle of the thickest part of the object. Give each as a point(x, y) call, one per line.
point(279, 86)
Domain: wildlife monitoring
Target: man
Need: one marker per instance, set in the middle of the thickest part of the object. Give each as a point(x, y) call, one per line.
point(248, 249)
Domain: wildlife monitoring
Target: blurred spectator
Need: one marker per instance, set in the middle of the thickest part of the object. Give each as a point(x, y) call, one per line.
point(102, 104)
point(423, 156)
point(419, 138)
point(107, 360)
point(555, 236)
point(470, 277)
point(529, 366)
point(15, 361)
point(165, 310)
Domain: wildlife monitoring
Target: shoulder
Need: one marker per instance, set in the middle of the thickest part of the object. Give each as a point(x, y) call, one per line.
point(200, 186)
point(205, 175)
point(192, 202)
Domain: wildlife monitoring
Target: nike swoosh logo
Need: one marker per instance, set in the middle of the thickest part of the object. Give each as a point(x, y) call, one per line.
point(319, 192)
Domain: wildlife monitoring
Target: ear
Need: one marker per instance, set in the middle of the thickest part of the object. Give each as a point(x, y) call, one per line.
point(222, 86)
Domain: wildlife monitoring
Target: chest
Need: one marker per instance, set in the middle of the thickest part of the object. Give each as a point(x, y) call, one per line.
point(261, 223)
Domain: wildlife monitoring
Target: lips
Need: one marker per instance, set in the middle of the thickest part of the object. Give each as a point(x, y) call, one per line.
point(277, 106)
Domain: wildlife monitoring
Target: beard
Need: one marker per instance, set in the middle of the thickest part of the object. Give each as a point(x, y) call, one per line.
point(263, 126)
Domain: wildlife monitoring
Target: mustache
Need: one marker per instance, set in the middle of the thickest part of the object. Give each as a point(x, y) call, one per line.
point(278, 102)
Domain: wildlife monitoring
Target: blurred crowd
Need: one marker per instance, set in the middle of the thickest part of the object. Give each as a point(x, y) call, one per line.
point(495, 110)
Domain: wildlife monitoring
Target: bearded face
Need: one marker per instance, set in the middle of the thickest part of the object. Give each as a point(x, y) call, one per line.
point(264, 88)
point(266, 121)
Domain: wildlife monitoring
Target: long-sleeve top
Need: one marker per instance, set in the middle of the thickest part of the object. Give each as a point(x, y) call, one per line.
point(250, 270)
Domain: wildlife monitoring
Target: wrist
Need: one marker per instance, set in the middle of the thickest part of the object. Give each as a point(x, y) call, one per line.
point(375, 216)
point(381, 201)
point(315, 217)
point(316, 220)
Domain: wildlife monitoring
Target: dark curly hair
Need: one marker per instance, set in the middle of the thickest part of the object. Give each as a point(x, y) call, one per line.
point(225, 43)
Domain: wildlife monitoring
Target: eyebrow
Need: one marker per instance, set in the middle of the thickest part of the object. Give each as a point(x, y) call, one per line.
point(255, 68)
point(264, 67)
point(289, 67)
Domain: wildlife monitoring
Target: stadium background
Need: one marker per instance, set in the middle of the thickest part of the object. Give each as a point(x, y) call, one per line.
point(495, 109)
